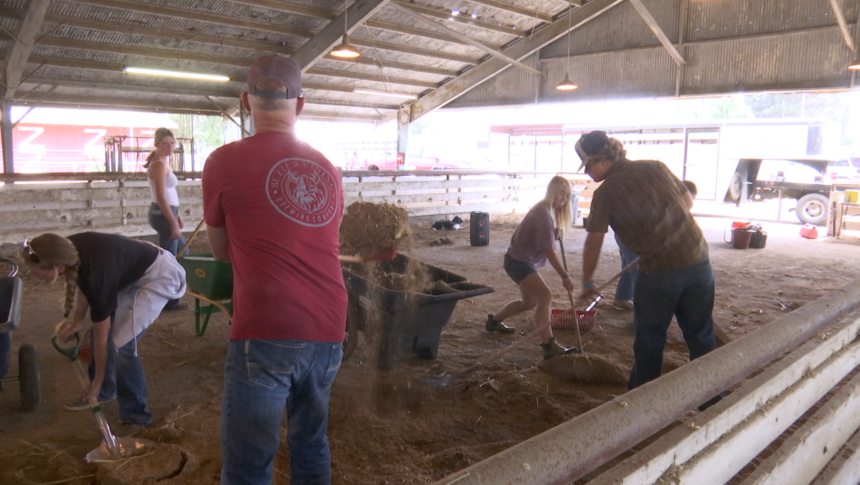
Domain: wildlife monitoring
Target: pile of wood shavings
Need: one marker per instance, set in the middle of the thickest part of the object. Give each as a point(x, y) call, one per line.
point(373, 231)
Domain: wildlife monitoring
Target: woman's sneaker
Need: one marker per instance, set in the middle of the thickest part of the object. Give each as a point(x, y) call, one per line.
point(554, 349)
point(496, 326)
point(81, 404)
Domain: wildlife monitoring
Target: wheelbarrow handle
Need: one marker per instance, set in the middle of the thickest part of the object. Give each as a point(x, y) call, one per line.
point(70, 352)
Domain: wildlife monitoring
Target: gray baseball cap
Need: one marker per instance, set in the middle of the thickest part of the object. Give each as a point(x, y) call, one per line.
point(589, 144)
point(279, 68)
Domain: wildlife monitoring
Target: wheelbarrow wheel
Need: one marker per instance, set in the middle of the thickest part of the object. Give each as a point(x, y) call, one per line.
point(28, 368)
point(351, 336)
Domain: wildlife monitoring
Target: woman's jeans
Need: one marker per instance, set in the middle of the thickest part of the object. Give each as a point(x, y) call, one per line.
point(627, 282)
point(261, 377)
point(162, 227)
point(687, 294)
point(125, 380)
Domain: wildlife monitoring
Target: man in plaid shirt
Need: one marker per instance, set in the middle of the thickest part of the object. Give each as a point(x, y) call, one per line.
point(648, 208)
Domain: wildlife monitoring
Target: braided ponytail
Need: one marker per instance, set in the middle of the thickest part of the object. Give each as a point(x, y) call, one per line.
point(71, 290)
point(54, 251)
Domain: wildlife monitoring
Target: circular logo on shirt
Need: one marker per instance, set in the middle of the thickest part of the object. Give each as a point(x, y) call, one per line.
point(303, 191)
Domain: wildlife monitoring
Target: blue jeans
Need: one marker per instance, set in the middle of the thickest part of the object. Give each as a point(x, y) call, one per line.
point(125, 380)
point(627, 282)
point(162, 227)
point(688, 294)
point(261, 377)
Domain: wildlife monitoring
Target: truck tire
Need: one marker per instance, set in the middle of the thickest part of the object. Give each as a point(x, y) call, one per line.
point(736, 187)
point(812, 209)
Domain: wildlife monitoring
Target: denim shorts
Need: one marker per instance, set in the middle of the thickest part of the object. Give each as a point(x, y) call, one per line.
point(518, 270)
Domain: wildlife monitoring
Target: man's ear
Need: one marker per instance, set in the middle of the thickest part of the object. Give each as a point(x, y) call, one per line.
point(300, 105)
point(60, 269)
point(245, 103)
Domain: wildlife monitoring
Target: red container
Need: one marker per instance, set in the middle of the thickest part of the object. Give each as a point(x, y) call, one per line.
point(741, 238)
point(809, 231)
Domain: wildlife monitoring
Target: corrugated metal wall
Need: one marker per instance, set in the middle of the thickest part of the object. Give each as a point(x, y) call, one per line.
point(730, 46)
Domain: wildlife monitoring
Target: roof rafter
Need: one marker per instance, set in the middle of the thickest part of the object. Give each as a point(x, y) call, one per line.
point(196, 15)
point(402, 29)
point(314, 50)
point(411, 50)
point(289, 8)
point(486, 70)
point(439, 14)
point(417, 16)
point(655, 28)
point(19, 54)
point(507, 7)
point(369, 61)
point(371, 77)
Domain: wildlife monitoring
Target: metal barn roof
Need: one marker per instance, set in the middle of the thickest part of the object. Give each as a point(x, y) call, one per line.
point(72, 53)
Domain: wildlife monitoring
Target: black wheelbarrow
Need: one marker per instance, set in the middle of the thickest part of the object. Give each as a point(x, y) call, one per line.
point(11, 294)
point(405, 321)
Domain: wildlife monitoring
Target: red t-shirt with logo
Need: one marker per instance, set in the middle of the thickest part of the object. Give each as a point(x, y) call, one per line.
point(281, 202)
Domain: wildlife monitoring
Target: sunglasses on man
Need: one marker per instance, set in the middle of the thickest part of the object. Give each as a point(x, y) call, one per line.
point(31, 255)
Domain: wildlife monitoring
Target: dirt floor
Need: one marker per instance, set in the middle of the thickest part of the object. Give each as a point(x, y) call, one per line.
point(390, 427)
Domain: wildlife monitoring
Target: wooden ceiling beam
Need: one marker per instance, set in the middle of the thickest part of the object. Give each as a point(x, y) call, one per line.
point(843, 26)
point(658, 32)
point(350, 104)
point(442, 15)
point(315, 49)
point(19, 54)
point(144, 52)
point(402, 29)
point(117, 103)
point(136, 88)
point(322, 116)
point(111, 67)
point(492, 67)
point(507, 7)
point(416, 15)
point(197, 15)
point(289, 8)
point(371, 77)
point(369, 61)
point(405, 49)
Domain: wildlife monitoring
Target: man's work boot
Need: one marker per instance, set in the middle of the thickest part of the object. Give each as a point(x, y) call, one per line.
point(496, 326)
point(554, 349)
point(622, 304)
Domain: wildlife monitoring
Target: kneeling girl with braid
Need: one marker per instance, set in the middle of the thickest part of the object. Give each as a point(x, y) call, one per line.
point(124, 284)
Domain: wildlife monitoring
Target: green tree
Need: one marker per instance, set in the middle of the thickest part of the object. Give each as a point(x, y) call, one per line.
point(832, 106)
point(727, 107)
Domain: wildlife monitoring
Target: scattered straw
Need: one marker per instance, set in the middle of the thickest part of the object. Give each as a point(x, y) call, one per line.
point(19, 475)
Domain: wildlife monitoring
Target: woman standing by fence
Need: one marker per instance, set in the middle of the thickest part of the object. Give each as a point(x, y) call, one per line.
point(164, 214)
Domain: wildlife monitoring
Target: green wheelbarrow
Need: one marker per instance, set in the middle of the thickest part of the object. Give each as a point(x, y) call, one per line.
point(210, 281)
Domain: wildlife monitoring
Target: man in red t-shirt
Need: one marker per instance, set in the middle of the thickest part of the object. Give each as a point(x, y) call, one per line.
point(272, 206)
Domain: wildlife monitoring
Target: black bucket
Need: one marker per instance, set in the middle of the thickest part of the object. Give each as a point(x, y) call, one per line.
point(758, 240)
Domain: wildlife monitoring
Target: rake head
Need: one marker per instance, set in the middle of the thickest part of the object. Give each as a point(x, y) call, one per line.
point(567, 319)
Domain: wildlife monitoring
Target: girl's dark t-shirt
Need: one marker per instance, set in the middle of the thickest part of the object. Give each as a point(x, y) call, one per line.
point(109, 263)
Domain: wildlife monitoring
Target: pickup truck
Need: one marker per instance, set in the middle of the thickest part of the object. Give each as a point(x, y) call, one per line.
point(807, 180)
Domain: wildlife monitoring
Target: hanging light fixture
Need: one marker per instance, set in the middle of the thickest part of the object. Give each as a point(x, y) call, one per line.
point(567, 84)
point(345, 50)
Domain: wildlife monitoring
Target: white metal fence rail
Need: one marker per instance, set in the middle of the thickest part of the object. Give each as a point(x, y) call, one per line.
point(119, 203)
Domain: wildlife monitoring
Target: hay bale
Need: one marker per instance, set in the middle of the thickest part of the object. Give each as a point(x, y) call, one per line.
point(373, 231)
point(586, 369)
